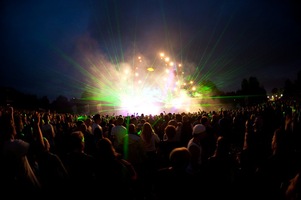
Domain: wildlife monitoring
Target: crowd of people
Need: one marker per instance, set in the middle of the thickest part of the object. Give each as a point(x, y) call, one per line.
point(246, 153)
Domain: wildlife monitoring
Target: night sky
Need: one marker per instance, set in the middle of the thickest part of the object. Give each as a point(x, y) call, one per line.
point(62, 47)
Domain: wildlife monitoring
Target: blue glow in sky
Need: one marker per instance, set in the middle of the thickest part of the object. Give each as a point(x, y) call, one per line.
point(47, 46)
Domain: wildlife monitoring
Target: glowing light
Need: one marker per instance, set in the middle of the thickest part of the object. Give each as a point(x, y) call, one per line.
point(138, 88)
point(150, 69)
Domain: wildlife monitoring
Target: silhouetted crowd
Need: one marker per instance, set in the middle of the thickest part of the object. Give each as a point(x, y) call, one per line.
point(244, 153)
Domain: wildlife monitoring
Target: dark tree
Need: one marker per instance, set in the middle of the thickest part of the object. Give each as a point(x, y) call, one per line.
point(251, 93)
point(62, 105)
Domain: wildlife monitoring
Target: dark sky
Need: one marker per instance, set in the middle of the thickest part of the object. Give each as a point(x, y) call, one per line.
point(50, 47)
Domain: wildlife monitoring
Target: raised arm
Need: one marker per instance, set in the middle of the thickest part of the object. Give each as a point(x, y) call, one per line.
point(37, 129)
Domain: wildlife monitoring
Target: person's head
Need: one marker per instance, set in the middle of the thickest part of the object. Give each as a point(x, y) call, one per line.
point(77, 141)
point(97, 118)
point(119, 121)
point(142, 121)
point(81, 126)
point(166, 118)
point(132, 129)
point(225, 113)
point(172, 122)
point(147, 127)
point(170, 132)
point(147, 131)
point(88, 121)
point(105, 149)
point(199, 130)
point(179, 158)
point(46, 118)
point(205, 120)
point(178, 117)
point(134, 121)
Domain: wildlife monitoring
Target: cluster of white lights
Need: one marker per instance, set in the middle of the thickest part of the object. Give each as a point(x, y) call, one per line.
point(274, 97)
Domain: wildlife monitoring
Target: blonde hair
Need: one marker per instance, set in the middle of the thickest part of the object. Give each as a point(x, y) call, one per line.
point(147, 132)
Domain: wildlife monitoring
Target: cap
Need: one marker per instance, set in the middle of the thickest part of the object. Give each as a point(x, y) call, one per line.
point(198, 129)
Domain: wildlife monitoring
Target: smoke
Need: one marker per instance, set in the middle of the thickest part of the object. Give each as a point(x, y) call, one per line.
point(134, 84)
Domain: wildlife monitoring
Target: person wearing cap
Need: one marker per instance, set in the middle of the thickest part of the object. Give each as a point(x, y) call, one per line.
point(195, 148)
